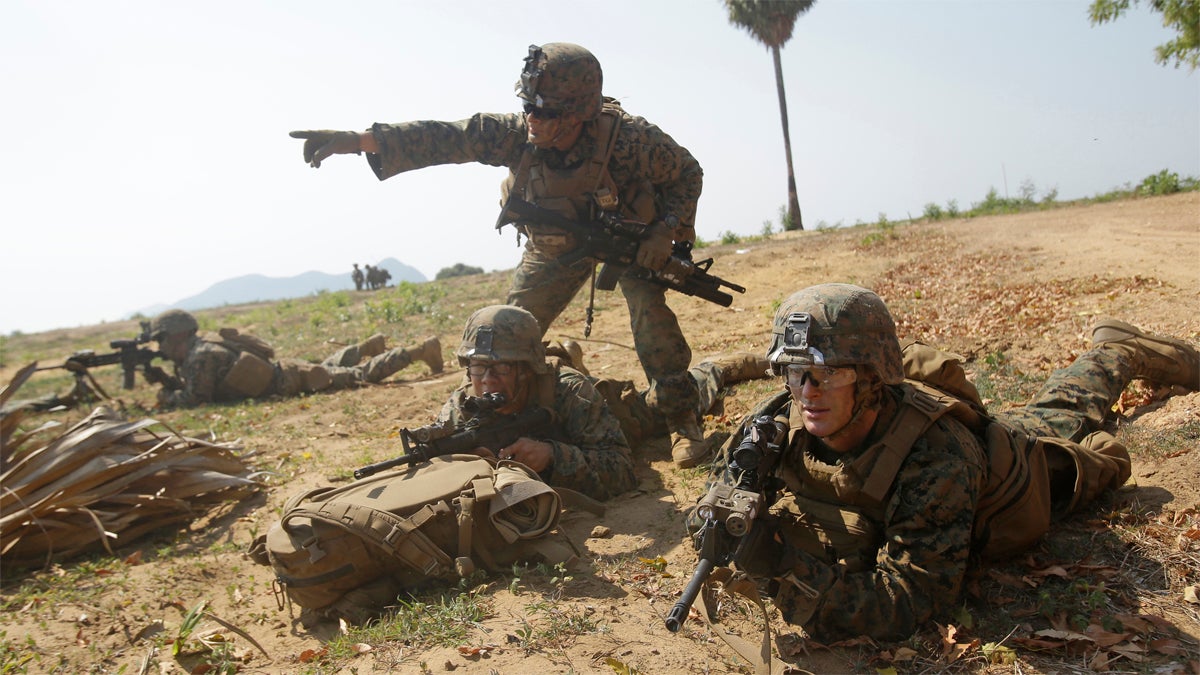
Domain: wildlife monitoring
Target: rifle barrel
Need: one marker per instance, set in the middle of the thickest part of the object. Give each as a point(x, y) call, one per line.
point(680, 611)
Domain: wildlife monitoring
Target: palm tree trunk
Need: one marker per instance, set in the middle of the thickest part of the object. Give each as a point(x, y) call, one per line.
point(794, 221)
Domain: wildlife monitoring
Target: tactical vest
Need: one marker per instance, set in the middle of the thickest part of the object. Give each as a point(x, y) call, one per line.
point(579, 192)
point(834, 509)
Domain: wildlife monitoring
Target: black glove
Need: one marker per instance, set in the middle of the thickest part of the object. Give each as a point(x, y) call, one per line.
point(319, 145)
point(655, 249)
point(156, 375)
point(760, 552)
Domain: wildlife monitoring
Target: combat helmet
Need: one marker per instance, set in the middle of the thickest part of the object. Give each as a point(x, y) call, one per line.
point(503, 333)
point(172, 322)
point(562, 76)
point(836, 325)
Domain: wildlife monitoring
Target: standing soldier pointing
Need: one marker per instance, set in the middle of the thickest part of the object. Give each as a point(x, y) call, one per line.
point(580, 154)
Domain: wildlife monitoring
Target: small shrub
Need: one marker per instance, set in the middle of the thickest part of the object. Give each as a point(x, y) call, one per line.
point(458, 270)
point(1162, 183)
point(933, 211)
point(730, 237)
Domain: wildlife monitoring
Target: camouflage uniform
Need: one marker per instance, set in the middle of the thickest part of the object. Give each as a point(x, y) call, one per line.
point(639, 420)
point(903, 562)
point(642, 153)
point(207, 363)
point(590, 453)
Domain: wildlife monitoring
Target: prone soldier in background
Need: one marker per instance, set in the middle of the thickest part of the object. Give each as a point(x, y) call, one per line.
point(231, 366)
point(579, 153)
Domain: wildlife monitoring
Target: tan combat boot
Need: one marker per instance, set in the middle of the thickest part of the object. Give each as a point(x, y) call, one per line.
point(576, 353)
point(568, 353)
point(431, 353)
point(372, 346)
point(741, 366)
point(688, 447)
point(1162, 360)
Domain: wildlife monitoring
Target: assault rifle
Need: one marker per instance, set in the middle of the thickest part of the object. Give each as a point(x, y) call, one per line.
point(614, 241)
point(129, 354)
point(485, 429)
point(729, 510)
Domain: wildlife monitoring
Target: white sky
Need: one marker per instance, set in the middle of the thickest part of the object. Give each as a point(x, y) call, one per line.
point(146, 153)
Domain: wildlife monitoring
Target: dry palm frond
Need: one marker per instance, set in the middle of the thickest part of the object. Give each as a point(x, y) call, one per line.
point(105, 478)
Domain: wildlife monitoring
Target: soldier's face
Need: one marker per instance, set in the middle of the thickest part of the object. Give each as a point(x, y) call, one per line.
point(498, 377)
point(174, 346)
point(825, 409)
point(549, 129)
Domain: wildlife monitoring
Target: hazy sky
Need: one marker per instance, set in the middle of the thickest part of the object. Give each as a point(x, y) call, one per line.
point(147, 156)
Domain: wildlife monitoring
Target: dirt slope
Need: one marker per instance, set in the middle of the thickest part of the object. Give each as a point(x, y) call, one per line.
point(1020, 290)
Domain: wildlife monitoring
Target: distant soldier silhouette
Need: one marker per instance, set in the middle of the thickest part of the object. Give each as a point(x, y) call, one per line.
point(371, 275)
point(357, 276)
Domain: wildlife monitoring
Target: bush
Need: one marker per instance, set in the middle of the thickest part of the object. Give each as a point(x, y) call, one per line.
point(458, 270)
point(1162, 183)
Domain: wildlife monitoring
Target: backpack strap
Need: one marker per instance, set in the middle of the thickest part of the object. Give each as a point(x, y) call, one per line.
point(758, 656)
point(918, 410)
point(400, 537)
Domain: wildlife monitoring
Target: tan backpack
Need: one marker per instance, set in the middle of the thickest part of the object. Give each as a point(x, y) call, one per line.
point(253, 372)
point(436, 520)
point(1030, 479)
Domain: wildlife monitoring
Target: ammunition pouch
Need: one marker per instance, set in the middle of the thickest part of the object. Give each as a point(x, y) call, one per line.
point(835, 534)
point(250, 377)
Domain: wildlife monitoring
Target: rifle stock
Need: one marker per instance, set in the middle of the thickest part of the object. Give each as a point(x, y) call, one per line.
point(615, 242)
point(484, 431)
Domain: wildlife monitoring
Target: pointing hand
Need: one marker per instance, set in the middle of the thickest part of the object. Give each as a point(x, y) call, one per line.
point(319, 145)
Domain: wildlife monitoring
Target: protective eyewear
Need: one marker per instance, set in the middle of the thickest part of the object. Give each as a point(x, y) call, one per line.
point(825, 377)
point(541, 113)
point(498, 369)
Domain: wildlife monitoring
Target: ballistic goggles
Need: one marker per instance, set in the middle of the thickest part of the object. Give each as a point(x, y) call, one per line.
point(824, 377)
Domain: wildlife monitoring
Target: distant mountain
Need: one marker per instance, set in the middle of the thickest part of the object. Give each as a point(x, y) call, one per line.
point(256, 287)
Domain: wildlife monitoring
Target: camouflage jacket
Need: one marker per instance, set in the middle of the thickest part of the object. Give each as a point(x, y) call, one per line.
point(590, 453)
point(199, 376)
point(911, 554)
point(642, 152)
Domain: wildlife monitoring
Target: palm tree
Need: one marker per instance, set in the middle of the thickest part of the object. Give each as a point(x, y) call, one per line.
point(771, 23)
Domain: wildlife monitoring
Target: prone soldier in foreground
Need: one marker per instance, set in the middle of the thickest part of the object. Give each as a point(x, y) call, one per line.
point(578, 153)
point(867, 519)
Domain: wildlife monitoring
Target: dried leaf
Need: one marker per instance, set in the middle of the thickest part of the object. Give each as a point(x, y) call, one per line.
point(620, 667)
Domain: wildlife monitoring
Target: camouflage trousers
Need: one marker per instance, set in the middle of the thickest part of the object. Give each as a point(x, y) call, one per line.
point(294, 377)
point(1077, 400)
point(545, 287)
point(639, 420)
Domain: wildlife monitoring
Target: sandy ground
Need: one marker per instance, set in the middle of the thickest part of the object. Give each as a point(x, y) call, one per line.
point(1025, 286)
